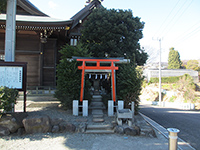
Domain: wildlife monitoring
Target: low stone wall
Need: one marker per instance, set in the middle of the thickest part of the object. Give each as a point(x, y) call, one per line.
point(21, 123)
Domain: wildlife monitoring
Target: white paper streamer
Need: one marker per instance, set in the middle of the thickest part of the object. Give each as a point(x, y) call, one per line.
point(101, 76)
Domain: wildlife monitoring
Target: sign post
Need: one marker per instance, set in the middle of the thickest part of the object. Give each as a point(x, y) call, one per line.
point(14, 75)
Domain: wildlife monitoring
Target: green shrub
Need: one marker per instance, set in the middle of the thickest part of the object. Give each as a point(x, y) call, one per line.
point(187, 86)
point(144, 83)
point(154, 80)
point(3, 4)
point(129, 85)
point(166, 79)
point(172, 99)
point(8, 96)
point(166, 86)
point(69, 77)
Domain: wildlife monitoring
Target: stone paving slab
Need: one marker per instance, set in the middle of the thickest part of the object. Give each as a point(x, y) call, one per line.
point(97, 112)
point(98, 120)
point(99, 126)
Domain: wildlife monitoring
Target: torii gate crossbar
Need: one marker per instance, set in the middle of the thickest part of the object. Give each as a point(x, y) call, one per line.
point(98, 67)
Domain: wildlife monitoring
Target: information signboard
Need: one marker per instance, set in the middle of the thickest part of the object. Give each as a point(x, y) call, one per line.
point(11, 77)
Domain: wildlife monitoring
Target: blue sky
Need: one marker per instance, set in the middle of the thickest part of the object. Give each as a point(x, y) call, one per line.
point(176, 22)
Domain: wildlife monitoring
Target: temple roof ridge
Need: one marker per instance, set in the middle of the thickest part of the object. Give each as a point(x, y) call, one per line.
point(82, 14)
point(30, 8)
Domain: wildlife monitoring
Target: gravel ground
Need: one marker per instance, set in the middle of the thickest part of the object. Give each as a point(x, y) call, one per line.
point(78, 141)
point(75, 141)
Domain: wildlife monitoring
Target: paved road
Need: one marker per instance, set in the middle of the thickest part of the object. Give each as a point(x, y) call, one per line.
point(188, 122)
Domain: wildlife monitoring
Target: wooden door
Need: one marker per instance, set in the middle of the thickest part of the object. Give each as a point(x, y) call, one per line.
point(49, 63)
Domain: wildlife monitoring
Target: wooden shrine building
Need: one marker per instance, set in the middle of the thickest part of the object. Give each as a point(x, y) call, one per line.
point(39, 38)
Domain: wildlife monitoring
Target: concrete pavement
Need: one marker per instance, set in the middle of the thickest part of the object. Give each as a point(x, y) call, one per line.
point(167, 118)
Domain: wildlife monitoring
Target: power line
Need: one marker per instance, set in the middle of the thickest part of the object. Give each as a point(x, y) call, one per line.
point(194, 32)
point(182, 7)
point(153, 57)
point(173, 18)
point(167, 17)
point(188, 33)
point(178, 18)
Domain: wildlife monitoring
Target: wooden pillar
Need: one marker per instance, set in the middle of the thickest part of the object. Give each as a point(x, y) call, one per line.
point(55, 61)
point(82, 81)
point(41, 63)
point(113, 82)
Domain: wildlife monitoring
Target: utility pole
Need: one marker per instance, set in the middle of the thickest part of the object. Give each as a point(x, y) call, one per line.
point(10, 31)
point(160, 94)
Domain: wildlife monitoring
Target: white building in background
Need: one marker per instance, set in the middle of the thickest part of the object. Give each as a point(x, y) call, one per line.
point(151, 73)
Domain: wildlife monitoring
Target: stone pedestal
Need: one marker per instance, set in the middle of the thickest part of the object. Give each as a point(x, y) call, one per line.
point(120, 104)
point(133, 108)
point(75, 107)
point(85, 107)
point(124, 114)
point(129, 123)
point(110, 108)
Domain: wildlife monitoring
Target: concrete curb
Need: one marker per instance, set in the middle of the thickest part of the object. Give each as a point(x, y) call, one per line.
point(182, 145)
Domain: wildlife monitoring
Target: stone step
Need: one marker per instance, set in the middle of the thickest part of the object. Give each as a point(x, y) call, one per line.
point(96, 100)
point(100, 127)
point(97, 120)
point(97, 112)
point(97, 108)
point(97, 97)
point(96, 104)
point(99, 131)
point(96, 92)
point(97, 116)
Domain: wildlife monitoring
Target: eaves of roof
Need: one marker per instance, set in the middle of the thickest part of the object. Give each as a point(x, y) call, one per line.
point(36, 19)
point(29, 7)
point(82, 14)
point(37, 22)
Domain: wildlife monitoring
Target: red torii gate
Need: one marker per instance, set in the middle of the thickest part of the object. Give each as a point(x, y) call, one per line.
point(98, 67)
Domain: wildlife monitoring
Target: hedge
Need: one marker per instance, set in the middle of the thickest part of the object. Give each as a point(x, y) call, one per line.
point(166, 79)
point(8, 96)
